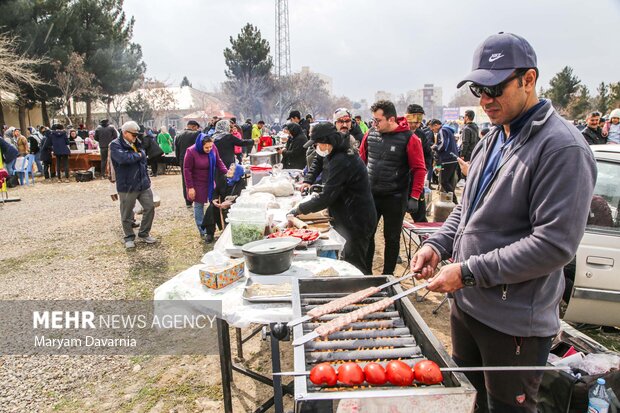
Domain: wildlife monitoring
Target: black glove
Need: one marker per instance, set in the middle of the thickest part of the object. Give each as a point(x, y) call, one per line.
point(412, 205)
point(293, 212)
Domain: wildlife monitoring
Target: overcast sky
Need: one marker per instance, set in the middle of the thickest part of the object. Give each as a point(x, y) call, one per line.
point(368, 45)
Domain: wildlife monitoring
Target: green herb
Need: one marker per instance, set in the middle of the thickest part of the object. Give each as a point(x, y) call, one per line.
point(243, 233)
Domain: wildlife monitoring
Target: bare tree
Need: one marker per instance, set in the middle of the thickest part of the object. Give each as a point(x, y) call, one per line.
point(305, 92)
point(73, 80)
point(17, 73)
point(16, 69)
point(161, 100)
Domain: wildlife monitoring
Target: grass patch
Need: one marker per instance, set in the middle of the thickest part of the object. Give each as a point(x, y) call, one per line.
point(184, 393)
point(177, 251)
point(28, 259)
point(67, 405)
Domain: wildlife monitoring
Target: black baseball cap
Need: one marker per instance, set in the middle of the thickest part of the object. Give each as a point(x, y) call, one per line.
point(497, 57)
point(294, 114)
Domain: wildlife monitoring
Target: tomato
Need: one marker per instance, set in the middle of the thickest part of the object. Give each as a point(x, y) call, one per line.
point(323, 373)
point(350, 373)
point(399, 373)
point(375, 373)
point(428, 372)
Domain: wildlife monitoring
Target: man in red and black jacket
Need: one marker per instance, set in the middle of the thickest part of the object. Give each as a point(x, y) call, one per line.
point(396, 172)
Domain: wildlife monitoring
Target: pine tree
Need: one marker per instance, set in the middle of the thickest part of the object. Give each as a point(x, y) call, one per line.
point(248, 71)
point(562, 88)
point(185, 82)
point(580, 103)
point(601, 101)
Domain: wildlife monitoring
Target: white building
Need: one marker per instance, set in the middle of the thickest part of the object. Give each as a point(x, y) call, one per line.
point(170, 104)
point(329, 83)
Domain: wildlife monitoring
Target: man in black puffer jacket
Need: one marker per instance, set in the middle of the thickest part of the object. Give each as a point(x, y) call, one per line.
point(396, 172)
point(105, 134)
point(346, 194)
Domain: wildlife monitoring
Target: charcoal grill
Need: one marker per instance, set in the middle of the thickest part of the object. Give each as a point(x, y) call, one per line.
point(398, 332)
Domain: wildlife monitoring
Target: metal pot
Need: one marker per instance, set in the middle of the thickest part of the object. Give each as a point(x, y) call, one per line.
point(262, 157)
point(270, 256)
point(83, 176)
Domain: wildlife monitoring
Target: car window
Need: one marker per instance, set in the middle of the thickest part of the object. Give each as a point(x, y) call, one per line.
point(606, 200)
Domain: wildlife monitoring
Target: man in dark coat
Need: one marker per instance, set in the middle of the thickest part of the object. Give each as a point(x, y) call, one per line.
point(414, 119)
point(294, 154)
point(152, 149)
point(132, 184)
point(181, 144)
point(58, 141)
point(593, 132)
point(469, 136)
point(346, 194)
point(104, 134)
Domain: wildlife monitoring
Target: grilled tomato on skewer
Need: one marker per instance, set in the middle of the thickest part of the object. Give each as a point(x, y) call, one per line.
point(323, 373)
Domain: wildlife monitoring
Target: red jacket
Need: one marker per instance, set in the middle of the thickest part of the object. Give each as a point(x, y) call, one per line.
point(264, 142)
point(415, 157)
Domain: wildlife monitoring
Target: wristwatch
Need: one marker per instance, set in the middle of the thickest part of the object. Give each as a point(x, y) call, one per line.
point(467, 277)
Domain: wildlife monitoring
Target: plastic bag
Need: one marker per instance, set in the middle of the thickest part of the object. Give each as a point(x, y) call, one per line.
point(278, 186)
point(599, 363)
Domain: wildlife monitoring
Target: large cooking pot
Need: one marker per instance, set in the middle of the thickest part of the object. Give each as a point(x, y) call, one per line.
point(265, 157)
point(270, 256)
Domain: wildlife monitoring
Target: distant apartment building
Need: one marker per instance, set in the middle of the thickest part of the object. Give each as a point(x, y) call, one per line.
point(383, 95)
point(430, 97)
point(329, 83)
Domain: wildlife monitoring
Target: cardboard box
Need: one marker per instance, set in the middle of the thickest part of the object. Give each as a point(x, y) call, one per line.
point(217, 277)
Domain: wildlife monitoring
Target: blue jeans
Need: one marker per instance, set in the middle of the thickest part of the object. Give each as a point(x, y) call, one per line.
point(199, 213)
point(10, 166)
point(37, 160)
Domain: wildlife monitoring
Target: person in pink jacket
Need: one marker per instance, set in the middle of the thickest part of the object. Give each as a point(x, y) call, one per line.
point(200, 165)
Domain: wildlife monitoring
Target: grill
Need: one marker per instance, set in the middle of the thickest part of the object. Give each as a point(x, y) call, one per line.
point(398, 332)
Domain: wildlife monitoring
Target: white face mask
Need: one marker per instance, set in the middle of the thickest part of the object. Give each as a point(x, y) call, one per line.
point(321, 153)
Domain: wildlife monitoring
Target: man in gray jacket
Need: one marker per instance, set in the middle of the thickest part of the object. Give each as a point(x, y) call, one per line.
point(523, 214)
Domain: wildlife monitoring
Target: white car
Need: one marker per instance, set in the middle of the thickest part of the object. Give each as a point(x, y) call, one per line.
point(595, 294)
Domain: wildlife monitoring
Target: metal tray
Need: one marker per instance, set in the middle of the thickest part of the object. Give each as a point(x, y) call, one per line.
point(268, 298)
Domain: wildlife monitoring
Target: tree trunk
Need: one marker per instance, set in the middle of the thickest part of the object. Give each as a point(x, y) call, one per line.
point(1, 114)
point(21, 111)
point(107, 109)
point(89, 115)
point(69, 109)
point(44, 114)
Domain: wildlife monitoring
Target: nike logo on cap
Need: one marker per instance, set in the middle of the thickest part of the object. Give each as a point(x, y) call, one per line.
point(495, 56)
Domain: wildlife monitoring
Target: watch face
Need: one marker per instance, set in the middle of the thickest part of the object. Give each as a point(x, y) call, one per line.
point(469, 281)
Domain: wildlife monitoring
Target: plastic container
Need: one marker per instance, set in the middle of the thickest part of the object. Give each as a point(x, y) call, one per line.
point(245, 230)
point(598, 400)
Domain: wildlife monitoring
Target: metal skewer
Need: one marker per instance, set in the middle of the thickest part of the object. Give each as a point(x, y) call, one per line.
point(371, 290)
point(386, 302)
point(459, 369)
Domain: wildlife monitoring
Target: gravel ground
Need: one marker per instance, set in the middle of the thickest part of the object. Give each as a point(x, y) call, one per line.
point(66, 244)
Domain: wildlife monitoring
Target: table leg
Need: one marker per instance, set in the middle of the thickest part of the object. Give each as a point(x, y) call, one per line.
point(239, 343)
point(277, 380)
point(223, 342)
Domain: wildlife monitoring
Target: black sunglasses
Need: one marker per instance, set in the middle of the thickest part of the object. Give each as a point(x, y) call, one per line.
point(491, 91)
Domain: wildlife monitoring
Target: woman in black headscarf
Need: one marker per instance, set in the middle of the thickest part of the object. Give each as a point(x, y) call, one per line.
point(346, 193)
point(294, 155)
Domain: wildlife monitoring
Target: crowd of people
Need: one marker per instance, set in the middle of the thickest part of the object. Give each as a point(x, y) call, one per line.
point(520, 219)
